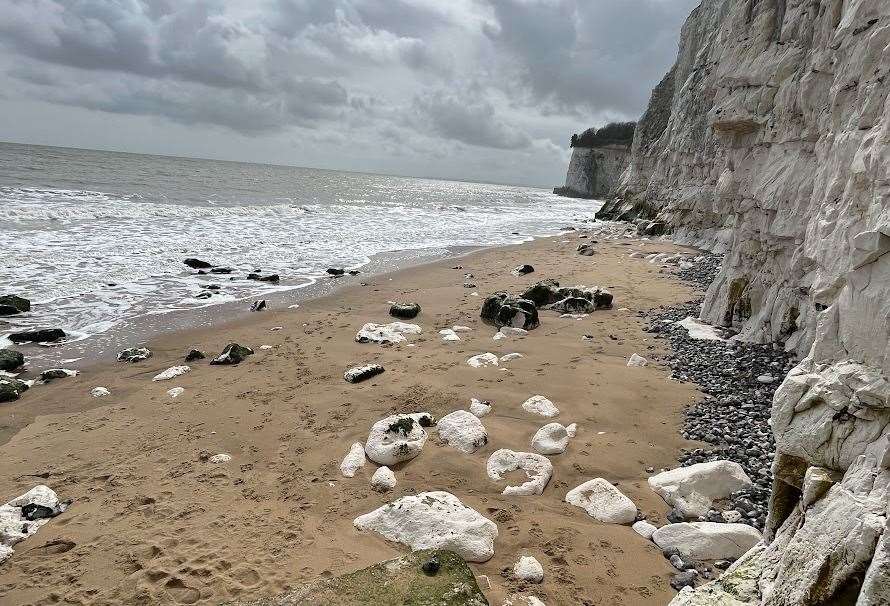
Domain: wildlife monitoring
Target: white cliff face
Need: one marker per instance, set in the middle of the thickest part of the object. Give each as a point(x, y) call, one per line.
point(769, 141)
point(594, 171)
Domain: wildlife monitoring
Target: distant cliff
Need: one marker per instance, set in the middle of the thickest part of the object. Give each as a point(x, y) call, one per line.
point(769, 140)
point(594, 171)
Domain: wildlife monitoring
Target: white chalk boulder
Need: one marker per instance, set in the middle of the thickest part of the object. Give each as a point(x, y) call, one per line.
point(707, 540)
point(171, 373)
point(394, 332)
point(540, 406)
point(353, 461)
point(537, 468)
point(434, 520)
point(644, 529)
point(528, 569)
point(449, 335)
point(693, 490)
point(15, 525)
point(481, 360)
point(462, 430)
point(637, 360)
point(397, 438)
point(480, 408)
point(603, 502)
point(100, 392)
point(551, 439)
point(383, 479)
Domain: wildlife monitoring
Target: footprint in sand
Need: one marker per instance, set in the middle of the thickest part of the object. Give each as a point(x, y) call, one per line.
point(182, 593)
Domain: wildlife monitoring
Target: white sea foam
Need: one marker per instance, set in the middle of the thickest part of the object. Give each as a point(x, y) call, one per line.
point(91, 259)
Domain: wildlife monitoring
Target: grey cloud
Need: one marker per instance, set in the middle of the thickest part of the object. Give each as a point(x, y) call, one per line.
point(473, 122)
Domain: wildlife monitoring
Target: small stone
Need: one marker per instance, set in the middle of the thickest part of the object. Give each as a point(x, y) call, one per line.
point(358, 374)
point(220, 458)
point(383, 480)
point(528, 569)
point(644, 529)
point(603, 502)
point(175, 392)
point(551, 439)
point(194, 354)
point(482, 360)
point(353, 461)
point(480, 408)
point(99, 392)
point(431, 566)
point(405, 311)
point(134, 354)
point(637, 360)
point(522, 270)
point(172, 372)
point(541, 406)
point(233, 353)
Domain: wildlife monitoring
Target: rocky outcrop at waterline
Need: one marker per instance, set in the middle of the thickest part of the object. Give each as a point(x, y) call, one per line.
point(768, 141)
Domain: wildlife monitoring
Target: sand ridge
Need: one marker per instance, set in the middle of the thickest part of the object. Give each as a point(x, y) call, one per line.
point(154, 522)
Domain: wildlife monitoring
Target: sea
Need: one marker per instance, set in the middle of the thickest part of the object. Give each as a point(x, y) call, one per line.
point(97, 239)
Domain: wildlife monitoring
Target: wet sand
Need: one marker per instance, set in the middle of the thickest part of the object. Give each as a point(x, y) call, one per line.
point(153, 522)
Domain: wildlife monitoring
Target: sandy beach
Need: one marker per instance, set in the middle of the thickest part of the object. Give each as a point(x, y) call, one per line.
point(153, 522)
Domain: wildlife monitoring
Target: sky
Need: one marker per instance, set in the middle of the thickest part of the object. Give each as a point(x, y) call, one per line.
point(483, 90)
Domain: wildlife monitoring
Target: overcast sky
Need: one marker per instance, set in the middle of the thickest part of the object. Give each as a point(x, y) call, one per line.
point(487, 90)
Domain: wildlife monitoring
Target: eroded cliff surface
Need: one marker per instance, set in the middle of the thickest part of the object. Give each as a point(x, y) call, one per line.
point(594, 171)
point(769, 140)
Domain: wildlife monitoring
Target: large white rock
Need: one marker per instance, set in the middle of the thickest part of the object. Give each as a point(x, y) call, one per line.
point(171, 373)
point(537, 468)
point(540, 406)
point(528, 569)
point(463, 431)
point(394, 332)
point(693, 490)
point(551, 439)
point(353, 461)
point(707, 540)
point(448, 334)
point(603, 502)
point(484, 359)
point(383, 479)
point(434, 520)
point(699, 330)
point(389, 443)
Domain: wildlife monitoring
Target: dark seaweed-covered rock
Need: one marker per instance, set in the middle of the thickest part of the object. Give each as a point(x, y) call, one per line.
point(273, 278)
point(574, 305)
point(258, 305)
point(11, 389)
point(134, 354)
point(586, 250)
point(362, 373)
point(501, 309)
point(41, 335)
point(221, 270)
point(543, 293)
point(12, 304)
point(232, 354)
point(197, 263)
point(405, 311)
point(10, 359)
point(194, 354)
point(523, 270)
point(55, 373)
point(409, 580)
point(335, 271)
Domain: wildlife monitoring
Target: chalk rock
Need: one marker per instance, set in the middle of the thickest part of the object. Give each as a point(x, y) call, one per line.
point(448, 334)
point(175, 392)
point(220, 458)
point(357, 374)
point(498, 336)
point(463, 431)
point(693, 490)
point(644, 529)
point(134, 354)
point(528, 569)
point(603, 502)
point(511, 356)
point(480, 408)
point(397, 438)
point(541, 406)
point(383, 479)
point(485, 359)
point(510, 331)
point(736, 587)
point(699, 330)
point(171, 373)
point(707, 540)
point(501, 309)
point(637, 360)
point(537, 468)
point(233, 353)
point(24, 515)
point(458, 328)
point(394, 332)
point(572, 429)
point(353, 461)
point(434, 520)
point(551, 439)
point(100, 392)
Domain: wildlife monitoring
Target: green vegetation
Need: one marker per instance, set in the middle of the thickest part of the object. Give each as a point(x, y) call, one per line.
point(613, 133)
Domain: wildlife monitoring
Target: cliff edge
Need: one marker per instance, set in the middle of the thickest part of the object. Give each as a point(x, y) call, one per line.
point(769, 141)
point(594, 171)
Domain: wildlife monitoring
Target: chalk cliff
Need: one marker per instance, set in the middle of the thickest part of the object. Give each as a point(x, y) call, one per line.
point(769, 141)
point(594, 171)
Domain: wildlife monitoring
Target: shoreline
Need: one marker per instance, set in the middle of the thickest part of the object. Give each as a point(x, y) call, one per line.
point(132, 462)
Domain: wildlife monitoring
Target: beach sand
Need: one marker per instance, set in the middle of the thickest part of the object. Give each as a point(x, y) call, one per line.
point(153, 522)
